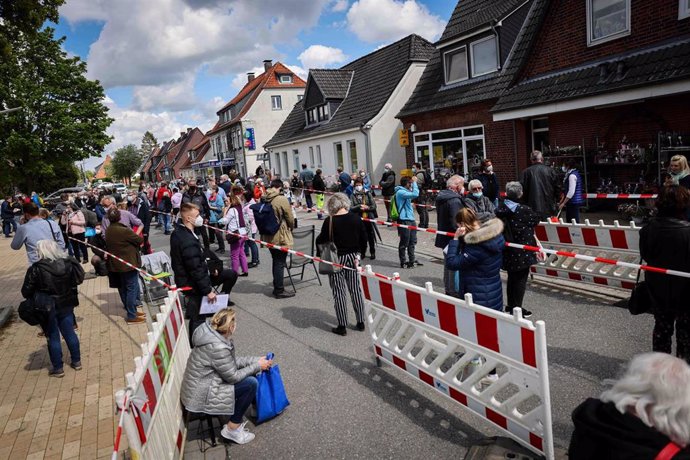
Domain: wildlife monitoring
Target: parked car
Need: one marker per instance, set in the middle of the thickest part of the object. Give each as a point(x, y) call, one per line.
point(120, 188)
point(54, 198)
point(104, 185)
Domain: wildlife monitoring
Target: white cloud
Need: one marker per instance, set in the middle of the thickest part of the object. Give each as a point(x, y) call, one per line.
point(389, 20)
point(320, 56)
point(176, 97)
point(339, 6)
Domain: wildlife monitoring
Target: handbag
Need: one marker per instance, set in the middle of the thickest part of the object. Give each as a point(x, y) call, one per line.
point(329, 252)
point(28, 313)
point(640, 298)
point(271, 399)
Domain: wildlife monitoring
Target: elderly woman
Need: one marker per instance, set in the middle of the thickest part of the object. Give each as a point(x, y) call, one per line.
point(216, 381)
point(646, 412)
point(344, 228)
point(665, 242)
point(363, 205)
point(479, 258)
point(476, 200)
point(56, 276)
point(519, 222)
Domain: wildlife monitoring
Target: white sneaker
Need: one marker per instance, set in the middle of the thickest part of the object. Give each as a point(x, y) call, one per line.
point(239, 435)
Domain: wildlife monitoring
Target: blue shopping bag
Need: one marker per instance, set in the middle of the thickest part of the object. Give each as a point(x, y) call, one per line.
point(271, 398)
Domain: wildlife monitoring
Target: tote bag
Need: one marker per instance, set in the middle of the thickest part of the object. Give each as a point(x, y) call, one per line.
point(329, 252)
point(271, 399)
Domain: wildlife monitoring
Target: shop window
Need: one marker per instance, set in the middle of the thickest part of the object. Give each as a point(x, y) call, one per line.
point(540, 134)
point(284, 168)
point(352, 150)
point(445, 155)
point(339, 160)
point(607, 20)
point(484, 54)
point(683, 9)
point(319, 163)
point(455, 65)
point(276, 103)
point(276, 166)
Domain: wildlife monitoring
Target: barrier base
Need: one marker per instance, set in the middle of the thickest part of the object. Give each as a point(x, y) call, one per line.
point(500, 448)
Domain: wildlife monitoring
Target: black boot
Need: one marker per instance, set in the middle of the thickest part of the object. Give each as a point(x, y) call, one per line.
point(340, 330)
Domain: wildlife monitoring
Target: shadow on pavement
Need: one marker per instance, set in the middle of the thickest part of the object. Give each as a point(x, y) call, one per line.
point(419, 409)
point(305, 318)
point(599, 366)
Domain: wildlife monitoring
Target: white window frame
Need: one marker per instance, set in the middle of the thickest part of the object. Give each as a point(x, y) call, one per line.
point(295, 159)
point(349, 143)
point(481, 40)
point(608, 38)
point(335, 154)
point(279, 100)
point(538, 130)
point(288, 79)
point(276, 167)
point(445, 73)
point(430, 144)
point(683, 9)
point(319, 162)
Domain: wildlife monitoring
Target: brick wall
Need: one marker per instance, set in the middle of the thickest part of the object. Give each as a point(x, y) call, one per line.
point(562, 41)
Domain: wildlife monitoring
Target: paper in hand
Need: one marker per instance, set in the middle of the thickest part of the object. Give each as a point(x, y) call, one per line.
point(208, 308)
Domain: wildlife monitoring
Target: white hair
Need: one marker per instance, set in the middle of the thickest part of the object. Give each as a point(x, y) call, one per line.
point(455, 180)
point(514, 190)
point(475, 183)
point(656, 388)
point(337, 202)
point(49, 250)
point(536, 157)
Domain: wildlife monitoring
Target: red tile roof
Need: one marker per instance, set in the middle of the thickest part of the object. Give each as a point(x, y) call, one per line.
point(268, 79)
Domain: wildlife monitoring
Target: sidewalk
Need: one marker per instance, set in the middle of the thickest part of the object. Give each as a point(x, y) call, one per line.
point(73, 417)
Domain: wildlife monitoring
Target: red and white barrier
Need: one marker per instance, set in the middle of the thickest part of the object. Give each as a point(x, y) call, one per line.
point(452, 345)
point(152, 413)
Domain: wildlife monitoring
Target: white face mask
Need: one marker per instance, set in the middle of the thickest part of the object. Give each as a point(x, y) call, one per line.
point(359, 188)
point(489, 169)
point(199, 221)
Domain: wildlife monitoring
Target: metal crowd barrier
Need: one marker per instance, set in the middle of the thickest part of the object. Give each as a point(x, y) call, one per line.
point(598, 240)
point(151, 410)
point(453, 345)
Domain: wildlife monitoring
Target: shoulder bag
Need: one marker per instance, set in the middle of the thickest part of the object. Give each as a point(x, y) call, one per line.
point(640, 298)
point(329, 252)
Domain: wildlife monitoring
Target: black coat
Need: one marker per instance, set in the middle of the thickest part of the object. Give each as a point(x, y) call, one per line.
point(59, 278)
point(541, 188)
point(387, 183)
point(490, 184)
point(188, 262)
point(521, 225)
point(665, 243)
point(317, 183)
point(448, 203)
point(200, 200)
point(358, 199)
point(602, 432)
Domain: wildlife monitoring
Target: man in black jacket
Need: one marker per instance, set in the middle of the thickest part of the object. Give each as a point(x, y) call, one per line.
point(196, 196)
point(189, 264)
point(448, 202)
point(540, 185)
point(387, 184)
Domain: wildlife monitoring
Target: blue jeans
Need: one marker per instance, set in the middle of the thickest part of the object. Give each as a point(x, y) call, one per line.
point(251, 246)
point(166, 222)
point(408, 241)
point(61, 322)
point(129, 292)
point(245, 392)
point(8, 226)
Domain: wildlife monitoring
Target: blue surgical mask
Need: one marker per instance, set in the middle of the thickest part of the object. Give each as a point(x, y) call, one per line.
point(414, 170)
point(477, 194)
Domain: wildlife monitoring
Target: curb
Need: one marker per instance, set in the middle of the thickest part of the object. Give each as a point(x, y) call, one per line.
point(5, 314)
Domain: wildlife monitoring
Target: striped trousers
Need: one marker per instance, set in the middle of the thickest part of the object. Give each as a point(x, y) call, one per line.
point(343, 281)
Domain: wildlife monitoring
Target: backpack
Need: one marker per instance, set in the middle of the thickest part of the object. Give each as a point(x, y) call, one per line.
point(427, 180)
point(394, 208)
point(265, 219)
point(91, 217)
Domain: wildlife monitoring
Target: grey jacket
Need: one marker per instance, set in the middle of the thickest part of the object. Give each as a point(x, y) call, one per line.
point(212, 371)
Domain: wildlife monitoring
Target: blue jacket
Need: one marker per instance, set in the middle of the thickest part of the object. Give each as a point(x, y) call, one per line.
point(403, 200)
point(344, 180)
point(479, 259)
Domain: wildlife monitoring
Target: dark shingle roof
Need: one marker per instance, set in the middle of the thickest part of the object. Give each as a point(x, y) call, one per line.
point(333, 83)
point(472, 14)
point(374, 77)
point(432, 94)
point(668, 62)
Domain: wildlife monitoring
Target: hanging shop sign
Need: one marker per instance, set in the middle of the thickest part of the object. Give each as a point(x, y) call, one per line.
point(249, 140)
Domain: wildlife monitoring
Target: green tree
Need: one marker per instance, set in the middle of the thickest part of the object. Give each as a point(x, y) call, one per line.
point(63, 119)
point(148, 143)
point(25, 17)
point(126, 161)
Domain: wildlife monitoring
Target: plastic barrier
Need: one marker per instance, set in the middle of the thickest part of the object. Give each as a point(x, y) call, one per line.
point(151, 409)
point(452, 345)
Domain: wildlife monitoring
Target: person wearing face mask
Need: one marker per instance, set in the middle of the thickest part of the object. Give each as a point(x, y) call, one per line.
point(126, 218)
point(387, 184)
point(189, 264)
point(482, 206)
point(196, 196)
point(448, 202)
point(363, 204)
point(140, 208)
point(572, 198)
point(489, 181)
point(366, 182)
point(540, 186)
point(424, 183)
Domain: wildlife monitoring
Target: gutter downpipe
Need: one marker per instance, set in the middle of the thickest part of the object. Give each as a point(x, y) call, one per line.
point(364, 129)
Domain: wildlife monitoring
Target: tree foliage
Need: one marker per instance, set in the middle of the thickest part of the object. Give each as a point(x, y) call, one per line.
point(63, 118)
point(126, 161)
point(148, 143)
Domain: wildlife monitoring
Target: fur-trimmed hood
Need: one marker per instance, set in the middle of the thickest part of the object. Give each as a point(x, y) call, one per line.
point(489, 230)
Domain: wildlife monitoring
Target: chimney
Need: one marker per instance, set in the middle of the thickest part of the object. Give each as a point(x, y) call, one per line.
point(267, 64)
point(250, 76)
point(189, 130)
point(182, 133)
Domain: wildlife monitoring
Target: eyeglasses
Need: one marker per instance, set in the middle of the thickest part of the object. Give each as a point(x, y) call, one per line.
point(476, 189)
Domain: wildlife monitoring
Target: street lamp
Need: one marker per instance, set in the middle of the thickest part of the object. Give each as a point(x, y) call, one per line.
point(3, 112)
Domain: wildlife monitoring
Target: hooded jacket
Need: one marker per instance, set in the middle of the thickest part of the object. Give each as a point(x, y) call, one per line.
point(59, 278)
point(448, 203)
point(480, 260)
point(602, 432)
point(665, 242)
point(283, 212)
point(208, 385)
point(403, 200)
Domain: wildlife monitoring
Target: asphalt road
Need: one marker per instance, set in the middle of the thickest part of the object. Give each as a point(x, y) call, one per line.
point(342, 405)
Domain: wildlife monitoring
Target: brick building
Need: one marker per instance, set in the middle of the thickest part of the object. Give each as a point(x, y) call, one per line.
point(604, 82)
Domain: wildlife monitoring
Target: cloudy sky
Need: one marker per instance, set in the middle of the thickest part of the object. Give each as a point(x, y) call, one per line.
point(170, 64)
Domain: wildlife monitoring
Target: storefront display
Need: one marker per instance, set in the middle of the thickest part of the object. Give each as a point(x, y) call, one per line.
point(451, 151)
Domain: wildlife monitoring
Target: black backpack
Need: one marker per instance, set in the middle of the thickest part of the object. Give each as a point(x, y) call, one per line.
point(427, 180)
point(265, 219)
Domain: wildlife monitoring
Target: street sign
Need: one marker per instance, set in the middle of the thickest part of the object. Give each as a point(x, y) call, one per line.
point(404, 138)
point(249, 140)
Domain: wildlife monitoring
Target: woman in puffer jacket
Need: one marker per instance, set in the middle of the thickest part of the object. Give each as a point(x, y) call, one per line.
point(479, 258)
point(218, 383)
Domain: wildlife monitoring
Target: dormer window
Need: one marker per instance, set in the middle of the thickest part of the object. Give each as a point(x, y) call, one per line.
point(607, 20)
point(285, 79)
point(318, 114)
point(484, 55)
point(455, 65)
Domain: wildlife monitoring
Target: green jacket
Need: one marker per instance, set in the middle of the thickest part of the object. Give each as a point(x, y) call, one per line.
point(283, 212)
